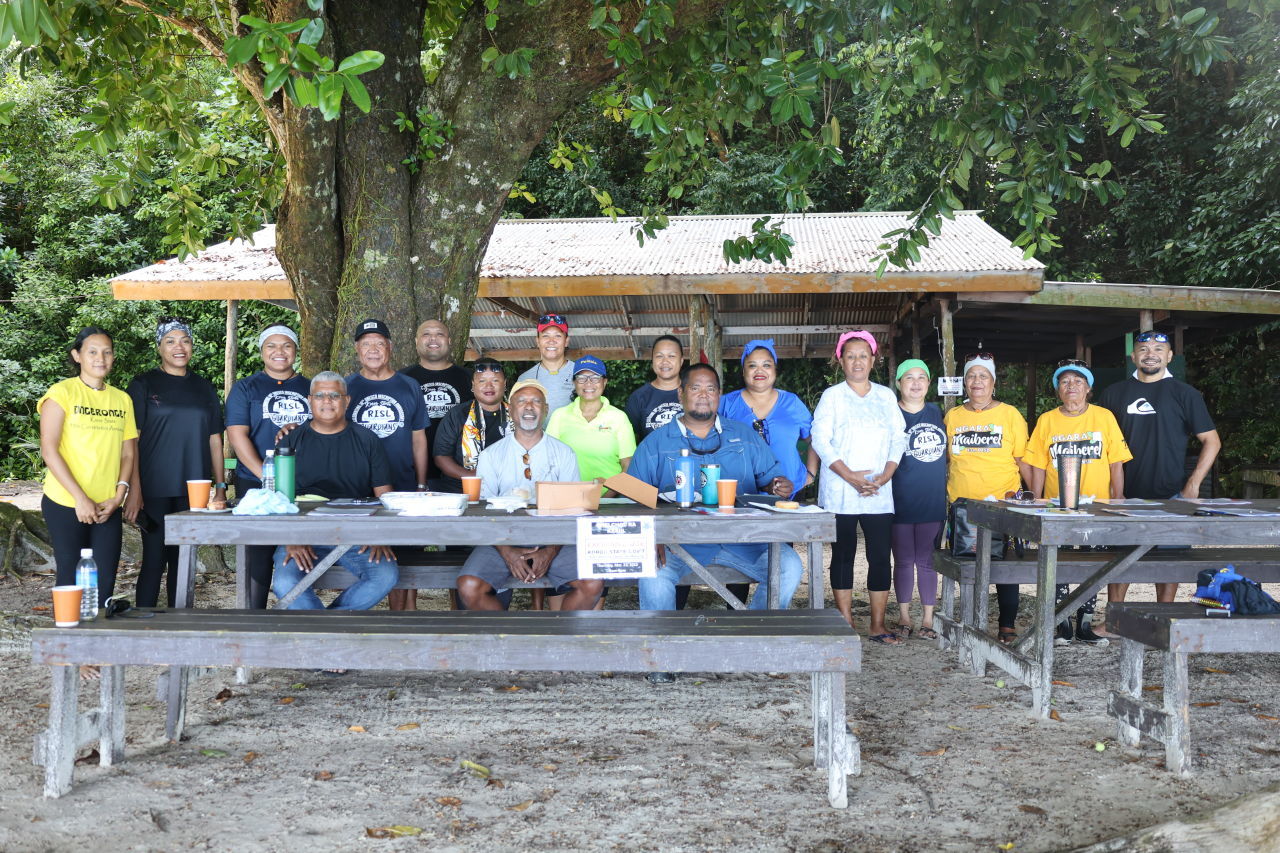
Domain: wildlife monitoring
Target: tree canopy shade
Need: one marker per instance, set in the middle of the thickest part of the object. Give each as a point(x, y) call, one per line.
point(401, 127)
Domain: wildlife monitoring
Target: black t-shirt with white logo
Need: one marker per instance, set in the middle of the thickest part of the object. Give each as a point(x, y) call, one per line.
point(264, 405)
point(346, 465)
point(1156, 418)
point(649, 408)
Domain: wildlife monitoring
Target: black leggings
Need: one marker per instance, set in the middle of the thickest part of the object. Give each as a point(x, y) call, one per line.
point(156, 556)
point(1007, 602)
point(259, 567)
point(69, 534)
point(877, 530)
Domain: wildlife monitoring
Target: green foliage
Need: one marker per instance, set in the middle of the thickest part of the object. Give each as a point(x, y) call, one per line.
point(433, 134)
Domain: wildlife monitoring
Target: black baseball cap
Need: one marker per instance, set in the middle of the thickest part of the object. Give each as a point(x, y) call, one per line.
point(369, 326)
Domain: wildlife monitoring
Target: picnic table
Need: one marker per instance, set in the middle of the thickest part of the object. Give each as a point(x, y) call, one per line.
point(1133, 537)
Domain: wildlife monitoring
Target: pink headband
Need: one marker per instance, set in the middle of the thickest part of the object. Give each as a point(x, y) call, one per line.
point(860, 334)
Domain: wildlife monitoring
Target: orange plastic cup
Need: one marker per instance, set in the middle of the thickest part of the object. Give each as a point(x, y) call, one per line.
point(198, 493)
point(471, 487)
point(66, 605)
point(727, 492)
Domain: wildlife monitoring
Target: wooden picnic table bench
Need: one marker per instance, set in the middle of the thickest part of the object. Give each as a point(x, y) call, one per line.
point(788, 641)
point(1176, 630)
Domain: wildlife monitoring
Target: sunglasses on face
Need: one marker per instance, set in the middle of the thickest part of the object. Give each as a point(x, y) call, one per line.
point(1146, 337)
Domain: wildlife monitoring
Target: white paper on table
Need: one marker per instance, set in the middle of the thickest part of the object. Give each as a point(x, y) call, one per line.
point(616, 547)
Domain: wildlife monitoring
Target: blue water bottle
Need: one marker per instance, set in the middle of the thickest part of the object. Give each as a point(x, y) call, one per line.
point(686, 479)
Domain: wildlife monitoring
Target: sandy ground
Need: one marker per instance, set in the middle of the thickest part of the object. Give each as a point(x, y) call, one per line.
point(951, 761)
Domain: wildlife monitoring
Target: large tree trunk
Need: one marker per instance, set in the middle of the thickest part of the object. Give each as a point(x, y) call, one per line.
point(361, 235)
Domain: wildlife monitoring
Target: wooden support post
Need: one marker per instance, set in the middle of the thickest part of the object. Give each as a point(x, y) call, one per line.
point(1177, 340)
point(891, 359)
point(1041, 670)
point(229, 375)
point(1080, 347)
point(1177, 745)
point(948, 346)
point(1146, 320)
point(1031, 392)
point(915, 334)
point(775, 576)
point(59, 743)
point(695, 322)
point(981, 599)
point(1130, 686)
point(817, 591)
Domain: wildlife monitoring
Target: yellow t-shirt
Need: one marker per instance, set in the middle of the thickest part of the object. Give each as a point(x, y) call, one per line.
point(1094, 434)
point(96, 424)
point(982, 447)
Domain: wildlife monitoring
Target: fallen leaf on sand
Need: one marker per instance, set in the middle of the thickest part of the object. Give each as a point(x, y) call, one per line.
point(1055, 716)
point(512, 689)
point(957, 728)
point(1003, 749)
point(249, 757)
point(1150, 687)
point(408, 726)
point(323, 775)
point(1218, 671)
point(551, 767)
point(933, 753)
point(286, 700)
point(213, 753)
point(1062, 683)
point(1008, 845)
point(223, 695)
point(392, 831)
point(980, 707)
point(496, 783)
point(519, 807)
point(298, 686)
point(1268, 717)
point(41, 608)
point(1032, 809)
point(478, 769)
point(1264, 751)
point(355, 728)
point(44, 705)
point(451, 802)
point(1204, 704)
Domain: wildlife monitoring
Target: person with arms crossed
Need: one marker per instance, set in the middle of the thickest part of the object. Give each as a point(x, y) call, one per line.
point(390, 405)
point(1157, 413)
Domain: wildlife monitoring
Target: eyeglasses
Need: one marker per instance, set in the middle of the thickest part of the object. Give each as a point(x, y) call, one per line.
point(1072, 362)
point(552, 319)
point(983, 355)
point(528, 475)
point(326, 395)
point(1146, 337)
point(761, 427)
point(588, 379)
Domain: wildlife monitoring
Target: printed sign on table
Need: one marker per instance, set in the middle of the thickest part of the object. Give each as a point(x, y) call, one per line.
point(616, 547)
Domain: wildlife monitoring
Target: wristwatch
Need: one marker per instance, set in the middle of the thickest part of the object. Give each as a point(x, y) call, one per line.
point(219, 485)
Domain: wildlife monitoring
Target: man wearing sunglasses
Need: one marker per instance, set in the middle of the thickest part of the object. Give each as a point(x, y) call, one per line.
point(554, 372)
point(525, 456)
point(1157, 413)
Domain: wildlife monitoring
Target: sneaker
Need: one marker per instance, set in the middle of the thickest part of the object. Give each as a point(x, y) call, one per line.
point(1084, 633)
point(1064, 632)
point(660, 677)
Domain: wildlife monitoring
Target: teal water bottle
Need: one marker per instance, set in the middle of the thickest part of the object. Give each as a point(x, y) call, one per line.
point(286, 470)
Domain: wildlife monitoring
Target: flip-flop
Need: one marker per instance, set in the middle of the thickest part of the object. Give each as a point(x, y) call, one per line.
point(903, 630)
point(885, 639)
point(927, 634)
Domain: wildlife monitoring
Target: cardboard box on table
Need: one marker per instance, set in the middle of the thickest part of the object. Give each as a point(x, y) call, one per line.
point(577, 496)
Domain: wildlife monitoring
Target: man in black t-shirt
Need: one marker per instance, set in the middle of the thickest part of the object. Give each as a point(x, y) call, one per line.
point(337, 460)
point(471, 426)
point(1157, 413)
point(657, 402)
point(444, 384)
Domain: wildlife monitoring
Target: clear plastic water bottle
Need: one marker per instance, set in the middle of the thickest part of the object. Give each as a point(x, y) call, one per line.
point(269, 471)
point(87, 579)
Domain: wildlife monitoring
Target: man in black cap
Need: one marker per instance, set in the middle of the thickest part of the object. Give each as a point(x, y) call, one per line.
point(389, 404)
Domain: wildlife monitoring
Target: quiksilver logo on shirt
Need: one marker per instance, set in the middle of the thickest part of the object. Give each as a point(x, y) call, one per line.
point(1140, 406)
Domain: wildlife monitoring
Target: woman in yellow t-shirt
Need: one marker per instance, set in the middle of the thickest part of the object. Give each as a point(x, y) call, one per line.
point(986, 440)
point(1078, 428)
point(89, 439)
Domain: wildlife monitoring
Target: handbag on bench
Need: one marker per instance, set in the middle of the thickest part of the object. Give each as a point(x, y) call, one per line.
point(963, 536)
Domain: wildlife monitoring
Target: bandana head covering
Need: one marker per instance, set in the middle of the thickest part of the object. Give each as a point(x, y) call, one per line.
point(278, 329)
point(910, 364)
point(987, 363)
point(169, 324)
point(764, 344)
point(860, 334)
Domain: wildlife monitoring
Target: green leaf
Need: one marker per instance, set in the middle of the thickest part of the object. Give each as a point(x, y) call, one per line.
point(330, 94)
point(361, 61)
point(304, 91)
point(359, 94)
point(241, 50)
point(313, 32)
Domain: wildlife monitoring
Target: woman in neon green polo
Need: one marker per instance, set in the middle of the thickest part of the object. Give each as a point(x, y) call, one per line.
point(599, 433)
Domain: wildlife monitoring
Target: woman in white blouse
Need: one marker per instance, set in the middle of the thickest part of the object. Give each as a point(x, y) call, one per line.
point(859, 434)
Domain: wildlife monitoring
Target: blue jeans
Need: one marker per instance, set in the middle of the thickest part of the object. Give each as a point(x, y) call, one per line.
point(375, 580)
point(659, 593)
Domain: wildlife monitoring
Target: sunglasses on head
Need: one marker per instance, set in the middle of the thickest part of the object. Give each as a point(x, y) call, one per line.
point(553, 319)
point(487, 368)
point(983, 355)
point(1020, 495)
point(1072, 362)
point(1145, 337)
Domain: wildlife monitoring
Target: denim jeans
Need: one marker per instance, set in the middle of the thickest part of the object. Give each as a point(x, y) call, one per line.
point(659, 593)
point(375, 580)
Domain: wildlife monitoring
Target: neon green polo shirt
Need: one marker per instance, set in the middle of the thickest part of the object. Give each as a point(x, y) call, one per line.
point(599, 444)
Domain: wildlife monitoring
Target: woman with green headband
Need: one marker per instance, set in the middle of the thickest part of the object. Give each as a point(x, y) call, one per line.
point(919, 499)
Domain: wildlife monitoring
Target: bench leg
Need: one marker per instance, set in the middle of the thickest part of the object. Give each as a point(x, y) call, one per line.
point(967, 599)
point(946, 603)
point(1130, 685)
point(176, 718)
point(981, 600)
point(1177, 745)
point(243, 674)
point(839, 761)
point(111, 715)
point(817, 589)
point(1042, 631)
point(59, 742)
point(821, 707)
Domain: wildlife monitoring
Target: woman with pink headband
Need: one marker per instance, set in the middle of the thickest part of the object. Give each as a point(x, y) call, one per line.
point(859, 434)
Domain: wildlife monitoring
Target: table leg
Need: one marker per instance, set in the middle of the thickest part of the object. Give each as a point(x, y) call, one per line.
point(59, 744)
point(179, 675)
point(1041, 669)
point(821, 701)
point(111, 721)
point(709, 579)
point(839, 762)
point(185, 593)
point(968, 599)
point(311, 577)
point(817, 577)
point(243, 673)
point(981, 599)
point(775, 575)
point(1177, 746)
point(1130, 686)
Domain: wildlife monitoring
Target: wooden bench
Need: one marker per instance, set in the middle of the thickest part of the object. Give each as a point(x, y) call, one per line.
point(1176, 630)
point(817, 642)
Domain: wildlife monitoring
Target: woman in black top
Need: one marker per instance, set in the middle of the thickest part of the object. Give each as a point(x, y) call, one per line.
point(179, 439)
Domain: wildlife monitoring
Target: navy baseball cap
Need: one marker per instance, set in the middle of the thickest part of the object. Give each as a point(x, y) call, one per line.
point(589, 364)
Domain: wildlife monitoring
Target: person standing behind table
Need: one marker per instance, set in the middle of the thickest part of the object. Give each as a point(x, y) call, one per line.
point(341, 462)
point(257, 407)
point(179, 438)
point(390, 405)
point(656, 402)
point(859, 434)
point(919, 499)
point(554, 372)
point(1157, 413)
point(444, 385)
point(599, 433)
point(89, 441)
point(986, 440)
point(1078, 428)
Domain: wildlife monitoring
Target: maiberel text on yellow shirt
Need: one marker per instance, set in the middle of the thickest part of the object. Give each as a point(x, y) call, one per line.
point(1094, 434)
point(983, 446)
point(96, 424)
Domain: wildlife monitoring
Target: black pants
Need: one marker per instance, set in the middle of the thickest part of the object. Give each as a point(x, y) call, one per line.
point(69, 534)
point(156, 556)
point(877, 530)
point(1007, 603)
point(259, 568)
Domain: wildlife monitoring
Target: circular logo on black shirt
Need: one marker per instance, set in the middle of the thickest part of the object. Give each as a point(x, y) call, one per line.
point(380, 414)
point(439, 398)
point(661, 415)
point(285, 407)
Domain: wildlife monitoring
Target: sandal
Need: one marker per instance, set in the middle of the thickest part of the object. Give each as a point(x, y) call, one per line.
point(927, 633)
point(885, 639)
point(903, 630)
point(1008, 636)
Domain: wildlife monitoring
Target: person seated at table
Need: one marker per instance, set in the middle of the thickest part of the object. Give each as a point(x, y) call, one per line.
point(525, 456)
point(471, 426)
point(337, 460)
point(743, 456)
